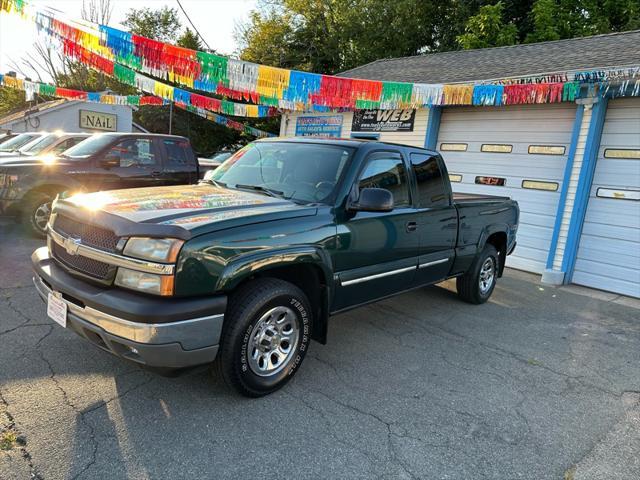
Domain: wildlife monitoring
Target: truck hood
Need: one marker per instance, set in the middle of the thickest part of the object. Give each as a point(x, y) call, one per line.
point(31, 161)
point(203, 206)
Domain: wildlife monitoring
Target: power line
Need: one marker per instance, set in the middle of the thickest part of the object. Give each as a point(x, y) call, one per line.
point(194, 27)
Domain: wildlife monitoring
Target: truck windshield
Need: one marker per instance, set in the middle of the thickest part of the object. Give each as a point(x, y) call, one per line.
point(89, 146)
point(304, 172)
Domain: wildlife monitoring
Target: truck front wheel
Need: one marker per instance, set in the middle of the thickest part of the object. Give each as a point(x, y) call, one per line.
point(476, 286)
point(35, 213)
point(265, 336)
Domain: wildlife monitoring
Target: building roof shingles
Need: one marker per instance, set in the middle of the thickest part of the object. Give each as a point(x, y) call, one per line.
point(585, 53)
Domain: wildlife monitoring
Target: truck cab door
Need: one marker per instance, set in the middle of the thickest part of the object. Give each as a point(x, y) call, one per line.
point(377, 251)
point(437, 219)
point(180, 164)
point(130, 163)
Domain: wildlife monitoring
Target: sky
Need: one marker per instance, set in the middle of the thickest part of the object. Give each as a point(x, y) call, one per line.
point(214, 19)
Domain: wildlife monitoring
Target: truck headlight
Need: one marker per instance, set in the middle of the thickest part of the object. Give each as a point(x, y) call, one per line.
point(145, 282)
point(155, 249)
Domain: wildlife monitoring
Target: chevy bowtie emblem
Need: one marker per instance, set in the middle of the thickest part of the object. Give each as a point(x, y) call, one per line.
point(72, 244)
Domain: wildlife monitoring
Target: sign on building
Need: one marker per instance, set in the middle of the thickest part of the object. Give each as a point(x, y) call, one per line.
point(400, 120)
point(320, 126)
point(98, 120)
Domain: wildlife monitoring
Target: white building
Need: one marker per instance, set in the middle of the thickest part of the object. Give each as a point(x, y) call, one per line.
point(574, 167)
point(70, 116)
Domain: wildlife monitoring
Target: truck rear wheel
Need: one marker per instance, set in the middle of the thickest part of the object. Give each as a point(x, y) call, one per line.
point(476, 286)
point(265, 336)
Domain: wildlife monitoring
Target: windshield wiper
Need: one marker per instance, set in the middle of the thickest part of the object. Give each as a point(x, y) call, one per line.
point(211, 181)
point(259, 188)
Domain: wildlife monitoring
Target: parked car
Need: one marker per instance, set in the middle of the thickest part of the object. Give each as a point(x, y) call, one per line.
point(11, 146)
point(247, 268)
point(213, 162)
point(7, 136)
point(106, 161)
point(50, 144)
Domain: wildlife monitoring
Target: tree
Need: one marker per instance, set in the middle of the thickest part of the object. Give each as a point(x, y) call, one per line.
point(189, 39)
point(162, 24)
point(329, 36)
point(488, 29)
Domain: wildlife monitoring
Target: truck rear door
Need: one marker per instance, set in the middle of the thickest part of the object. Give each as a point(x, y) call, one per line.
point(437, 218)
point(180, 164)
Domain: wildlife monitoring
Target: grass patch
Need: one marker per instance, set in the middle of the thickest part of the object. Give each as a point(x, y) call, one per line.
point(8, 440)
point(570, 474)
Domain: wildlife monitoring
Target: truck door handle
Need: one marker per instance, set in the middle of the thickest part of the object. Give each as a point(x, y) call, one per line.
point(156, 173)
point(411, 226)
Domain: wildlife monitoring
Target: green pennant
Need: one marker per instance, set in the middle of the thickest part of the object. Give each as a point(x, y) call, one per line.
point(214, 67)
point(47, 90)
point(396, 92)
point(124, 74)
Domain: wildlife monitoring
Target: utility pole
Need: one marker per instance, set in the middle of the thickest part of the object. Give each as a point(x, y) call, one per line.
point(170, 117)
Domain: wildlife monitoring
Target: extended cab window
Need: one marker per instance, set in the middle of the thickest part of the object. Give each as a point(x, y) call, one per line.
point(431, 191)
point(386, 170)
point(178, 152)
point(136, 152)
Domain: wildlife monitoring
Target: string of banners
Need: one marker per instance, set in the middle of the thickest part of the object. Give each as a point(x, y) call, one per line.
point(125, 55)
point(32, 89)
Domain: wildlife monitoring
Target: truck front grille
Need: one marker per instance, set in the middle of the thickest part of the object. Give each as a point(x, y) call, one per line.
point(85, 265)
point(90, 235)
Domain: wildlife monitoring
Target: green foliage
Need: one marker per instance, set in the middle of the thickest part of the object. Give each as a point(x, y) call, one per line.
point(189, 39)
point(330, 36)
point(488, 28)
point(162, 24)
point(11, 100)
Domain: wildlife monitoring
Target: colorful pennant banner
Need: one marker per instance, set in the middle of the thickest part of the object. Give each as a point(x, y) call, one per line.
point(126, 55)
point(36, 88)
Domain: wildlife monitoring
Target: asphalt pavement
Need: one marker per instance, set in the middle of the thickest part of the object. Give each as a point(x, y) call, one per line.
point(539, 383)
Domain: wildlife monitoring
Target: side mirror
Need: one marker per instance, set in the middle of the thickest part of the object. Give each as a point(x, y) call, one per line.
point(373, 200)
point(110, 161)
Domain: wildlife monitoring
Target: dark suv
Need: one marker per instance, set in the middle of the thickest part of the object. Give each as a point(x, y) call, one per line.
point(102, 162)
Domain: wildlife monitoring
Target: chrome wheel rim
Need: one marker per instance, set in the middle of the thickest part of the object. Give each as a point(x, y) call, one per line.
point(273, 341)
point(487, 272)
point(41, 216)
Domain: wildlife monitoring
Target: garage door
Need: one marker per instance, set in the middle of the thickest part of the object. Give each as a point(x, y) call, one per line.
point(609, 251)
point(517, 151)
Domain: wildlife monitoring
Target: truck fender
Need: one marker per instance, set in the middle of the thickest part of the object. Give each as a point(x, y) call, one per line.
point(260, 262)
point(486, 233)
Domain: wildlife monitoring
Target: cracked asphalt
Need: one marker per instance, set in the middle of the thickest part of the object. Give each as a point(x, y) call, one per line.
point(540, 383)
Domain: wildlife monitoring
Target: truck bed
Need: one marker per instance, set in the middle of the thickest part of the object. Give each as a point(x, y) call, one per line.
point(474, 198)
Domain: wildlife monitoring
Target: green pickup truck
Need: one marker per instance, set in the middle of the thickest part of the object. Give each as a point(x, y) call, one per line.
point(247, 267)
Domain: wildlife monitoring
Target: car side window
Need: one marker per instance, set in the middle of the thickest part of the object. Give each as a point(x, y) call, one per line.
point(386, 170)
point(177, 152)
point(66, 144)
point(138, 152)
point(431, 191)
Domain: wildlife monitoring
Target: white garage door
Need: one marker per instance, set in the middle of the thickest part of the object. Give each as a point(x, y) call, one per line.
point(609, 251)
point(516, 151)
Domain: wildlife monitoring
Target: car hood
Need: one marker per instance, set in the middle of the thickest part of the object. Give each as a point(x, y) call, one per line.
point(203, 206)
point(30, 161)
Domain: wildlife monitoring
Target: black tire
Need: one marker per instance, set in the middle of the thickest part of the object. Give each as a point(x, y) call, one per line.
point(469, 285)
point(35, 206)
point(246, 331)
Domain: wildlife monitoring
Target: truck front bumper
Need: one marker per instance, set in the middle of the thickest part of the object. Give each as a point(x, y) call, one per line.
point(156, 332)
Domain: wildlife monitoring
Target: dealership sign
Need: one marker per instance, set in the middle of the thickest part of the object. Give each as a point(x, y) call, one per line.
point(320, 126)
point(399, 120)
point(98, 120)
